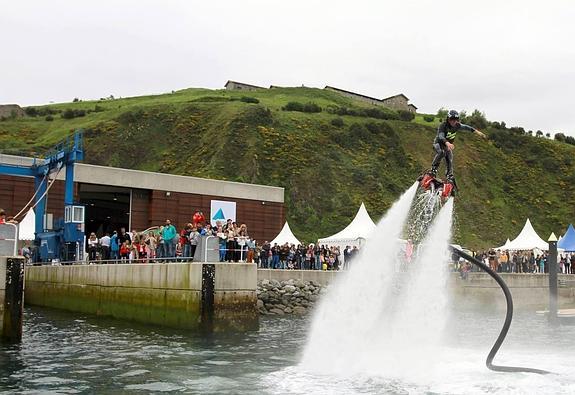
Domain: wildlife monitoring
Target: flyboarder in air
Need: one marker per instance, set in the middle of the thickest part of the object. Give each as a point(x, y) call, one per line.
point(443, 143)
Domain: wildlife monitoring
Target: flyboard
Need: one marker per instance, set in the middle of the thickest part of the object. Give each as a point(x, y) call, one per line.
point(433, 193)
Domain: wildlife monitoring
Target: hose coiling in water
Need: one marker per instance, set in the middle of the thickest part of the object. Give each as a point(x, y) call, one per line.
point(508, 318)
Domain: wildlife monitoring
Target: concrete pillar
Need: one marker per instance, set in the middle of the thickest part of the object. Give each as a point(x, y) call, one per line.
point(552, 265)
point(11, 298)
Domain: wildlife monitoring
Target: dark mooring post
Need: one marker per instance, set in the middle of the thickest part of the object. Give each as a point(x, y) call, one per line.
point(552, 265)
point(11, 298)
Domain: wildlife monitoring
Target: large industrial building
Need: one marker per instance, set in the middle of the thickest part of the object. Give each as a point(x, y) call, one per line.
point(137, 200)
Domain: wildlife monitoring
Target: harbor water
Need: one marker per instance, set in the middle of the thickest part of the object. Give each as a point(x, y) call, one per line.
point(69, 353)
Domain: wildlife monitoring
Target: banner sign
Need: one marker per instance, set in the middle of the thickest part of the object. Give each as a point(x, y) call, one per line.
point(222, 211)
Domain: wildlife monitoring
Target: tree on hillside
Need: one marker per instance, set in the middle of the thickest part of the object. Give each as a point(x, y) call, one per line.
point(477, 119)
point(442, 113)
point(548, 135)
point(560, 137)
point(517, 130)
point(539, 133)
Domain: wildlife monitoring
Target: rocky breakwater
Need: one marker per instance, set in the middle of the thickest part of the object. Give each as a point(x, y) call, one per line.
point(287, 297)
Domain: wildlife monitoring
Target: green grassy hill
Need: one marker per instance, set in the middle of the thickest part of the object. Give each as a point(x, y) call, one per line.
point(327, 170)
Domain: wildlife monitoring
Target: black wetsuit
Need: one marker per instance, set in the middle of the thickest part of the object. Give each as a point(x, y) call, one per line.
point(446, 133)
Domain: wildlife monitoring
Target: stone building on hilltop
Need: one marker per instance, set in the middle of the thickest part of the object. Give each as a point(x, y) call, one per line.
point(11, 111)
point(396, 102)
point(234, 85)
point(353, 95)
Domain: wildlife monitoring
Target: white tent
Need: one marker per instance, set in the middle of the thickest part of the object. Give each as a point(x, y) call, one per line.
point(27, 227)
point(504, 246)
point(353, 234)
point(528, 239)
point(285, 236)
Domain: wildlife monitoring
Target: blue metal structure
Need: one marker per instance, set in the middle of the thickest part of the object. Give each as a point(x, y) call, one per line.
point(65, 241)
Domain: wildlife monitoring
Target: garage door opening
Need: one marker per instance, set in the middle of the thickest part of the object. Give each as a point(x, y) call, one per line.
point(107, 208)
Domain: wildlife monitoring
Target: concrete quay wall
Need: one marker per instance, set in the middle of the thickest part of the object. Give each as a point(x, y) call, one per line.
point(479, 290)
point(198, 296)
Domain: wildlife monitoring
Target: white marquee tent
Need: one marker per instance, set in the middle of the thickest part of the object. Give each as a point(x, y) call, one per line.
point(504, 246)
point(353, 234)
point(285, 236)
point(528, 239)
point(27, 227)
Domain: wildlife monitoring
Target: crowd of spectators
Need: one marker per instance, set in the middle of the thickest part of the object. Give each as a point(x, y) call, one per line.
point(163, 243)
point(312, 257)
point(166, 244)
point(505, 261)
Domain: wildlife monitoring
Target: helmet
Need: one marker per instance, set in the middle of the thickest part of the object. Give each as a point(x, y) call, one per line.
point(452, 114)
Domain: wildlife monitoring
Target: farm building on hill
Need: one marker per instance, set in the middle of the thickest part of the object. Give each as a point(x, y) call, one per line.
point(11, 111)
point(396, 102)
point(234, 85)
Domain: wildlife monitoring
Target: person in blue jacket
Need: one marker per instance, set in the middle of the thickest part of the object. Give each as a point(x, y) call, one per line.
point(114, 246)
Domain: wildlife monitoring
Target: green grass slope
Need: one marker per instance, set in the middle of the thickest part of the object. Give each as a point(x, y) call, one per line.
point(327, 170)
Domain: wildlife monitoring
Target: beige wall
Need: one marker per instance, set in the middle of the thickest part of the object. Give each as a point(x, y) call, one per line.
point(162, 294)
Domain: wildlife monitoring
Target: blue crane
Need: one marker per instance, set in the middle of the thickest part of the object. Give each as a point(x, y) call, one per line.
point(66, 240)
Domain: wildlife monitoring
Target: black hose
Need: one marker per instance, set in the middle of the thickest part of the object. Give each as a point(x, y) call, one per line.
point(508, 317)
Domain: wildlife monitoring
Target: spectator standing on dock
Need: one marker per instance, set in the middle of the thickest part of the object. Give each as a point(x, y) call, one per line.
point(194, 241)
point(185, 240)
point(265, 255)
point(93, 245)
point(275, 250)
point(105, 243)
point(169, 234)
point(114, 246)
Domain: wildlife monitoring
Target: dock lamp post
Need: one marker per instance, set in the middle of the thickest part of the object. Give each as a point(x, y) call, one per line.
point(552, 265)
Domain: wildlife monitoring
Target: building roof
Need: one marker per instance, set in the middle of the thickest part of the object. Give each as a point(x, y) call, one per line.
point(243, 83)
point(391, 97)
point(352, 93)
point(411, 105)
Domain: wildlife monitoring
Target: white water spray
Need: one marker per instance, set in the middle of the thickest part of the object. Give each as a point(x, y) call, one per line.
point(375, 320)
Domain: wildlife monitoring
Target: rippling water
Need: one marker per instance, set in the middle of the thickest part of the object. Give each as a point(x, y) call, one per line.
point(70, 353)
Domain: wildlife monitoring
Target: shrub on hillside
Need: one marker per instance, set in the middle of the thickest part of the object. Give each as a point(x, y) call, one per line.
point(337, 110)
point(297, 106)
point(358, 132)
point(405, 115)
point(337, 122)
point(98, 108)
point(570, 140)
point(247, 99)
point(130, 116)
point(428, 118)
point(70, 113)
point(49, 118)
point(31, 111)
point(311, 107)
point(293, 106)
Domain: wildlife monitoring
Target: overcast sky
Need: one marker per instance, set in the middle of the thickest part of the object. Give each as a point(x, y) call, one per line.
point(514, 60)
